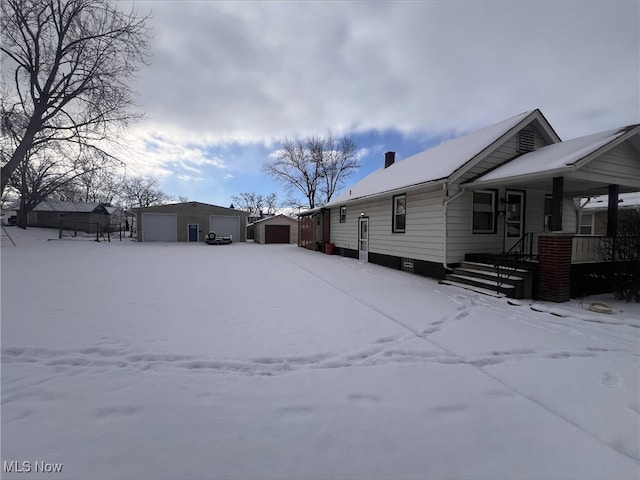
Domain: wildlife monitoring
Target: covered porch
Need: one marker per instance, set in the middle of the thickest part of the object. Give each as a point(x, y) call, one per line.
point(568, 173)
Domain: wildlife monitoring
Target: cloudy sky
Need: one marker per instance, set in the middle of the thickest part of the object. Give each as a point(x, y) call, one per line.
point(227, 80)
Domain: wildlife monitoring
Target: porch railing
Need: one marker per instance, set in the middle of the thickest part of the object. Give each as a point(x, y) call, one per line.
point(586, 249)
point(514, 259)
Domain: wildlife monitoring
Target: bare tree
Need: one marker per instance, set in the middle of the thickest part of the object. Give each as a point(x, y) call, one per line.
point(271, 202)
point(68, 66)
point(316, 167)
point(142, 192)
point(43, 174)
point(248, 201)
point(339, 162)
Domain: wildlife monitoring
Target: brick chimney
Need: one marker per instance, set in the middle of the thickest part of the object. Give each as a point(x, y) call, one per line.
point(389, 158)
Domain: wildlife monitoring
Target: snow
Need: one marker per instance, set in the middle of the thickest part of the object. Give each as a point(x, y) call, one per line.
point(434, 164)
point(128, 360)
point(563, 155)
point(625, 200)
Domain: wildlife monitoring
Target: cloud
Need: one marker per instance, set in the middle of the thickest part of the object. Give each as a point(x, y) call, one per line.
point(228, 79)
point(254, 71)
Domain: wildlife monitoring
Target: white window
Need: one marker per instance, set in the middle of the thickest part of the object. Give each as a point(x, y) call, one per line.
point(399, 213)
point(586, 224)
point(484, 211)
point(343, 214)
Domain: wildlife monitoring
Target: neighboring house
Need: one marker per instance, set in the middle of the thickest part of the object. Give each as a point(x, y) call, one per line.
point(593, 217)
point(255, 216)
point(82, 216)
point(505, 189)
point(116, 216)
point(276, 229)
point(189, 222)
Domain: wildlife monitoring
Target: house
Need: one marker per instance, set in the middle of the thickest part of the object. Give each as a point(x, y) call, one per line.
point(189, 222)
point(593, 214)
point(81, 216)
point(491, 209)
point(116, 216)
point(255, 216)
point(276, 229)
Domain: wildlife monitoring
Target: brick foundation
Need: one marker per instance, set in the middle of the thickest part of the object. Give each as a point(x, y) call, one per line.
point(554, 268)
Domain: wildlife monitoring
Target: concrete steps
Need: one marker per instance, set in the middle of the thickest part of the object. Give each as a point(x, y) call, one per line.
point(483, 277)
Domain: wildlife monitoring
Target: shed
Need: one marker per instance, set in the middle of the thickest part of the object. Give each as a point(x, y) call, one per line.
point(189, 222)
point(276, 229)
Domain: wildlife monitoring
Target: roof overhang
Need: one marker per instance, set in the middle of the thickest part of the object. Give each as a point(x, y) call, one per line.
point(577, 182)
point(387, 193)
point(575, 185)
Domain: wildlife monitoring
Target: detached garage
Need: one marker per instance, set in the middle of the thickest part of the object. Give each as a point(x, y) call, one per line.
point(189, 222)
point(277, 229)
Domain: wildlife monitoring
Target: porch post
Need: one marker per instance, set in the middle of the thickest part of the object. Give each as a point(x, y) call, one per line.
point(612, 211)
point(555, 223)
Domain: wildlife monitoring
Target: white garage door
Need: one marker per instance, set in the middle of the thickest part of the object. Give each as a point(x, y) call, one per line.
point(159, 227)
point(225, 225)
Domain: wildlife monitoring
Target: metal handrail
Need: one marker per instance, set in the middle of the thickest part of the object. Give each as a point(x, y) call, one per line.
point(513, 259)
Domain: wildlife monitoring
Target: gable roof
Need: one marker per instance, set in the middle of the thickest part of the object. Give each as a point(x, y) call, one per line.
point(202, 204)
point(274, 217)
point(68, 207)
point(561, 157)
point(443, 161)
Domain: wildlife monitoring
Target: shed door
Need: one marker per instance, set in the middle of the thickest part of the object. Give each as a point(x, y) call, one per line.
point(226, 225)
point(276, 234)
point(159, 227)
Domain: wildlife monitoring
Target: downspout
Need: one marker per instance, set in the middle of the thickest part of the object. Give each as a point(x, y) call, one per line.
point(445, 204)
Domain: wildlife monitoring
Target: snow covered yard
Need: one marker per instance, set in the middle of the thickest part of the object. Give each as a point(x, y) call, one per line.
point(153, 361)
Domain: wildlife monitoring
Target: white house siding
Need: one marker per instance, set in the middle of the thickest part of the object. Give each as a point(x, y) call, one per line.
point(619, 165)
point(461, 239)
point(422, 239)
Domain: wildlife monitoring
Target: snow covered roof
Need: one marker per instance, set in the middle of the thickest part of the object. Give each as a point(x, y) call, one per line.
point(273, 217)
point(557, 157)
point(625, 200)
point(56, 206)
point(434, 164)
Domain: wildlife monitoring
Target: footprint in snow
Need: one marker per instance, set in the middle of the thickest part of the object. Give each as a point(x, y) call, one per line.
point(295, 410)
point(611, 380)
point(386, 339)
point(363, 398)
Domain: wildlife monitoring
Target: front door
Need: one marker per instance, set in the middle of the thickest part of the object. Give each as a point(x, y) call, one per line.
point(363, 239)
point(513, 218)
point(193, 232)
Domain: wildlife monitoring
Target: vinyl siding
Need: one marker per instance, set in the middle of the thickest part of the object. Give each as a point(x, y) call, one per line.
point(422, 239)
point(462, 240)
point(503, 153)
point(621, 165)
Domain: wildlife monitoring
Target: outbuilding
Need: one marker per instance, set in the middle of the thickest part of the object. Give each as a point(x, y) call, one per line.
point(276, 229)
point(189, 222)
